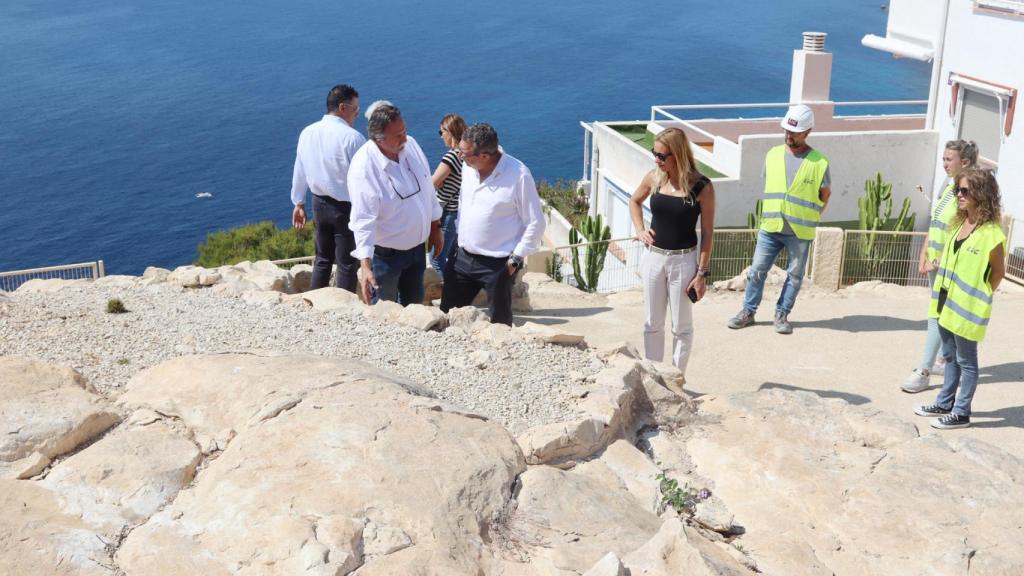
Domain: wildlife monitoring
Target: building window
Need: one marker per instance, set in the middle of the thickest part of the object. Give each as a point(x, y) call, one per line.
point(980, 121)
point(982, 111)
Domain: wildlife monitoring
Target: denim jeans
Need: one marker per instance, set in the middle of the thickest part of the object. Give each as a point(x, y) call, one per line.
point(932, 342)
point(399, 274)
point(769, 244)
point(961, 357)
point(448, 218)
point(334, 244)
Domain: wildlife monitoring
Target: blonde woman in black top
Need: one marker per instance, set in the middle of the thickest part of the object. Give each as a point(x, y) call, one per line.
point(674, 269)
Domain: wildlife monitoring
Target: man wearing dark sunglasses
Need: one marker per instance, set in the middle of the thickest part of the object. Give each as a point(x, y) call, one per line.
point(500, 223)
point(394, 211)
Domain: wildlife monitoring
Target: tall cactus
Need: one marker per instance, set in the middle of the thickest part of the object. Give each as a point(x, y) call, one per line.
point(597, 234)
point(754, 218)
point(875, 210)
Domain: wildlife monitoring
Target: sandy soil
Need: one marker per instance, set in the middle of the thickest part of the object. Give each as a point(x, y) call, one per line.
point(857, 344)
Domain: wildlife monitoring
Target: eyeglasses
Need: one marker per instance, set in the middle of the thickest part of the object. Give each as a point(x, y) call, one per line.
point(395, 188)
point(661, 156)
point(964, 192)
point(463, 155)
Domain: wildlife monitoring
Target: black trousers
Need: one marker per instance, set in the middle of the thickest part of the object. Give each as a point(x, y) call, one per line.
point(334, 243)
point(465, 274)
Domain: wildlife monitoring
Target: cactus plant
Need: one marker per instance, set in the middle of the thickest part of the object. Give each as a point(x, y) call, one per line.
point(754, 218)
point(597, 234)
point(875, 210)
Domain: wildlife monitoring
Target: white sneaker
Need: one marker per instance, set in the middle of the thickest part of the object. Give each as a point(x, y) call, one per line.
point(916, 382)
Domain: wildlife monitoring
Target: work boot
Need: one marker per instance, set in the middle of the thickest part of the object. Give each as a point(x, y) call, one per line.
point(782, 325)
point(741, 320)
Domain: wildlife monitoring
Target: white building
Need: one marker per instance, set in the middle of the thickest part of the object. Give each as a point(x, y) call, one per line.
point(977, 72)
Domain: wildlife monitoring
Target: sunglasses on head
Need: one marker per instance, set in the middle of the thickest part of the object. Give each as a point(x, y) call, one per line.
point(661, 156)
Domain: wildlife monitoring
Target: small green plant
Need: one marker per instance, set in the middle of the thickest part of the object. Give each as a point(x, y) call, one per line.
point(115, 306)
point(567, 198)
point(754, 218)
point(260, 241)
point(595, 232)
point(122, 362)
point(555, 267)
point(682, 499)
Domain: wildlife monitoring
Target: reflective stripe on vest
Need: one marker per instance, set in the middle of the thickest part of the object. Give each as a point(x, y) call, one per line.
point(798, 203)
point(942, 214)
point(962, 274)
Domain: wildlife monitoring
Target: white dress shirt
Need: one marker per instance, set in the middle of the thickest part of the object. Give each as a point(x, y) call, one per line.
point(322, 159)
point(393, 203)
point(502, 215)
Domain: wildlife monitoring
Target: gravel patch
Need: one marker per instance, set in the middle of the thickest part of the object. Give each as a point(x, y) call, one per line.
point(521, 384)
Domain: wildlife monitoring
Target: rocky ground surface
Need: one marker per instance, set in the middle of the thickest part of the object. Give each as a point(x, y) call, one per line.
point(521, 383)
point(231, 445)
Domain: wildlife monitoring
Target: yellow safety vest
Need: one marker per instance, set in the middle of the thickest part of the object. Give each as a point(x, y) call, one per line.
point(942, 214)
point(963, 274)
point(798, 203)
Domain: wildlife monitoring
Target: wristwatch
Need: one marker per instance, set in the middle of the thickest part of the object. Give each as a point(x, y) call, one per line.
point(515, 261)
point(705, 272)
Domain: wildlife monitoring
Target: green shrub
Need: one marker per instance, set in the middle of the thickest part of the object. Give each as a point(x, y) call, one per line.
point(260, 241)
point(567, 198)
point(115, 306)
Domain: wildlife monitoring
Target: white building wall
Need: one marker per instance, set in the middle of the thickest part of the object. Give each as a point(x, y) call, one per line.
point(986, 46)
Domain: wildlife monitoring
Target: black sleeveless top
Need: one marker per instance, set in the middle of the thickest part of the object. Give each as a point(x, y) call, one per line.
point(674, 219)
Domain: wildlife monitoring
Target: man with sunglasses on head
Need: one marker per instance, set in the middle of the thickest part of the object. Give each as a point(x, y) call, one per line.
point(322, 161)
point(796, 190)
point(500, 223)
point(394, 210)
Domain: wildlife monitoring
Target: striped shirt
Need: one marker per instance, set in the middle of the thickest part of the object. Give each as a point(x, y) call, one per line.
point(448, 194)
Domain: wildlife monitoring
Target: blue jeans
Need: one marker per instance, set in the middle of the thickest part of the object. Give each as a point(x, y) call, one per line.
point(769, 244)
point(932, 342)
point(961, 357)
point(399, 274)
point(448, 218)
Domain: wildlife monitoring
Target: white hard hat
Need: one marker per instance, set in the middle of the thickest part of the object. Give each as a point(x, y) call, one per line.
point(798, 118)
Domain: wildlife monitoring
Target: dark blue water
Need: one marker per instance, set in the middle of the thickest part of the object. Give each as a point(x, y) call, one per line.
point(114, 114)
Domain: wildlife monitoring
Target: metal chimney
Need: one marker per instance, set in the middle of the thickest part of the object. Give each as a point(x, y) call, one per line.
point(814, 41)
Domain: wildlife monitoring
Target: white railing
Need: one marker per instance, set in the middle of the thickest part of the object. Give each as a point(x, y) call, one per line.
point(10, 281)
point(886, 256)
point(287, 263)
point(664, 108)
point(1014, 249)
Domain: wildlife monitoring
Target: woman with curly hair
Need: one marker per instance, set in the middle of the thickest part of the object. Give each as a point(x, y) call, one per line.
point(673, 273)
point(970, 269)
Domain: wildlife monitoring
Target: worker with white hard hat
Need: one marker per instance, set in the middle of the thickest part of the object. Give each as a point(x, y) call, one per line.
point(796, 191)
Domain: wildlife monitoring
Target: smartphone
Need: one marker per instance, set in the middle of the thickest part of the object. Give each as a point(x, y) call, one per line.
point(692, 293)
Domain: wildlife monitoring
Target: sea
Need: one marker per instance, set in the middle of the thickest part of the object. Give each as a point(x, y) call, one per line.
point(129, 130)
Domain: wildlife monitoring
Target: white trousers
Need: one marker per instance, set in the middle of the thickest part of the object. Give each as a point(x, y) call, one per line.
point(665, 279)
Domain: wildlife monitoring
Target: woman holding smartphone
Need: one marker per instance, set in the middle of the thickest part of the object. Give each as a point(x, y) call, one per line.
point(673, 272)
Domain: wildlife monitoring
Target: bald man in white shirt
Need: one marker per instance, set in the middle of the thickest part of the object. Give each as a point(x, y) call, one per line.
point(500, 223)
point(322, 160)
point(394, 211)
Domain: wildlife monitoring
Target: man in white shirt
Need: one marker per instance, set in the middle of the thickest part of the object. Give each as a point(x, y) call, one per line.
point(500, 224)
point(322, 160)
point(394, 210)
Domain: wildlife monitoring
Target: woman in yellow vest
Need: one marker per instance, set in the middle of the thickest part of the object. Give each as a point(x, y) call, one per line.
point(958, 155)
point(970, 269)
